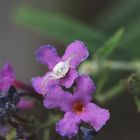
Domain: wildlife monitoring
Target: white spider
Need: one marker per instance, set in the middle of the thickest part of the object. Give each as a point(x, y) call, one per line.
point(59, 71)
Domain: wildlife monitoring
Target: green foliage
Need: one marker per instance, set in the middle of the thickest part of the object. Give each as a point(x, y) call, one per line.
point(137, 102)
point(109, 46)
point(122, 13)
point(60, 27)
point(110, 93)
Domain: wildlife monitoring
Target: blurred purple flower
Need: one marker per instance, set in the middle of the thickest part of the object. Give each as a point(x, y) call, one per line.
point(77, 107)
point(7, 76)
point(25, 104)
point(62, 69)
point(7, 79)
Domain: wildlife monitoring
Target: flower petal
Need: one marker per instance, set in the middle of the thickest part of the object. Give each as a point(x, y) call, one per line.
point(84, 89)
point(41, 86)
point(24, 104)
point(47, 55)
point(7, 76)
point(57, 98)
point(68, 126)
point(77, 52)
point(68, 80)
point(95, 116)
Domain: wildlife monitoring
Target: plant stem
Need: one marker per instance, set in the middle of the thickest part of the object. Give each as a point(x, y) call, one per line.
point(30, 91)
point(109, 94)
point(93, 67)
point(23, 86)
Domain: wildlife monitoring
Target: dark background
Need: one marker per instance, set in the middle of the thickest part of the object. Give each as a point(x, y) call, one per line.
point(18, 45)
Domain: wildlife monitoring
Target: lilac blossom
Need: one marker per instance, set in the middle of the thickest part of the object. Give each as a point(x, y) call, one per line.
point(7, 79)
point(62, 70)
point(77, 107)
point(25, 104)
point(7, 76)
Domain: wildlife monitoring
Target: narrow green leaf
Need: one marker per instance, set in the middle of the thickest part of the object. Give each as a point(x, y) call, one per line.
point(132, 34)
point(110, 45)
point(121, 13)
point(102, 81)
point(137, 102)
point(57, 26)
point(110, 94)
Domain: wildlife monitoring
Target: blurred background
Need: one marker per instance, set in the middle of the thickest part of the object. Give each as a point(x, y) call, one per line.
point(25, 25)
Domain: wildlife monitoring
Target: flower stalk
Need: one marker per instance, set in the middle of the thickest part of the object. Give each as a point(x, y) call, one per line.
point(93, 67)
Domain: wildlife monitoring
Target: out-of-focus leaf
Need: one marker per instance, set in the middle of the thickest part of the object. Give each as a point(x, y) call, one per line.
point(60, 27)
point(124, 13)
point(121, 13)
point(11, 135)
point(101, 82)
point(132, 34)
point(110, 45)
point(46, 134)
point(137, 102)
point(110, 94)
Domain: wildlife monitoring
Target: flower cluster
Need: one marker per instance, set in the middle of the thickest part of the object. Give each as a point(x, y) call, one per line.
point(10, 100)
point(8, 79)
point(62, 73)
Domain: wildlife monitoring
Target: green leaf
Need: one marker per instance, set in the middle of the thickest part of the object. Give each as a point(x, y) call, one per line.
point(102, 81)
point(121, 13)
point(124, 13)
point(110, 45)
point(132, 34)
point(137, 102)
point(129, 48)
point(59, 27)
point(110, 94)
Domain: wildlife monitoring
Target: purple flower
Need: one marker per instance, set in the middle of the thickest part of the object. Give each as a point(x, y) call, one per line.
point(7, 77)
point(62, 70)
point(25, 104)
point(77, 107)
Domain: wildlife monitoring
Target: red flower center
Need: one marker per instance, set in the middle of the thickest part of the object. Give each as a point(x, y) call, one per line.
point(78, 107)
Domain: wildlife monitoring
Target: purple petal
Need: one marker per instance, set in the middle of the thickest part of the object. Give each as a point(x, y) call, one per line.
point(40, 86)
point(36, 83)
point(68, 80)
point(7, 77)
point(95, 116)
point(84, 89)
point(77, 52)
point(25, 104)
point(57, 98)
point(47, 55)
point(68, 126)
